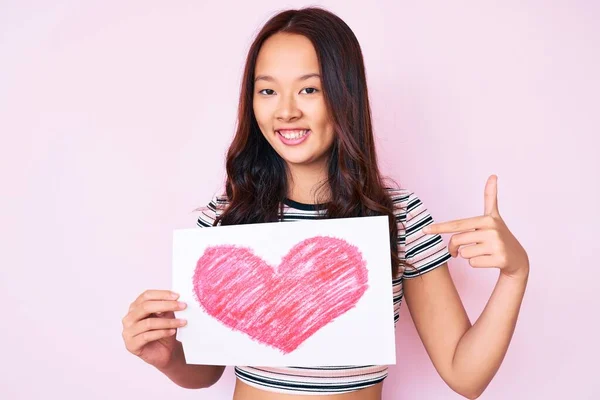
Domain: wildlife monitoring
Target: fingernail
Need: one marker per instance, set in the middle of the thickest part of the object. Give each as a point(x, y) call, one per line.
point(174, 295)
point(426, 229)
point(181, 322)
point(181, 304)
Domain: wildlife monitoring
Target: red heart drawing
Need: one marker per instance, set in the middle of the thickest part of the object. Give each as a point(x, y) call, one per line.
point(318, 280)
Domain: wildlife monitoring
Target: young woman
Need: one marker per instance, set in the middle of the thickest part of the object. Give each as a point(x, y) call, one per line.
point(304, 149)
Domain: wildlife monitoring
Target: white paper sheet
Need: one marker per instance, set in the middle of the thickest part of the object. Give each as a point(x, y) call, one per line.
point(329, 302)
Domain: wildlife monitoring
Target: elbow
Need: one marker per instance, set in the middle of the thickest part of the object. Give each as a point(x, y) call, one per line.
point(212, 376)
point(470, 393)
point(469, 385)
point(468, 390)
point(196, 385)
point(206, 383)
point(198, 376)
point(191, 387)
point(473, 395)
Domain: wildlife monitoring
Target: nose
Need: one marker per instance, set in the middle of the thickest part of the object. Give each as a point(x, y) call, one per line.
point(288, 109)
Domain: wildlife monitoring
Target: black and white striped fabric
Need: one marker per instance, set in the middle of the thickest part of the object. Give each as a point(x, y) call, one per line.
point(424, 252)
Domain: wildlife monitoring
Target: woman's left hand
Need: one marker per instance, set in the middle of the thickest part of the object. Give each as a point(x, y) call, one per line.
point(487, 241)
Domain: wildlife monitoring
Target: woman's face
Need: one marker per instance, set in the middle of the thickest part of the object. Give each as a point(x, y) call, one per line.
point(288, 101)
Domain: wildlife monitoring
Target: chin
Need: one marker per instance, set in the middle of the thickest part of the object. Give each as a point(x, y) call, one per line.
point(303, 160)
point(301, 156)
point(298, 160)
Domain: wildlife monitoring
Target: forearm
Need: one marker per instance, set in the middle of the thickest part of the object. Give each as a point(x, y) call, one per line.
point(191, 376)
point(480, 351)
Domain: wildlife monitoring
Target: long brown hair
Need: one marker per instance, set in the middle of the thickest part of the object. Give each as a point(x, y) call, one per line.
point(257, 185)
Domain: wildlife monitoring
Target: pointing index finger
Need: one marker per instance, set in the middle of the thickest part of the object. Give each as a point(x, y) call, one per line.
point(458, 225)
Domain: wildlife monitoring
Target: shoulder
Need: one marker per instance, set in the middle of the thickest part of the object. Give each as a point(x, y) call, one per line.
point(409, 209)
point(404, 200)
point(212, 210)
point(424, 252)
point(397, 194)
point(410, 212)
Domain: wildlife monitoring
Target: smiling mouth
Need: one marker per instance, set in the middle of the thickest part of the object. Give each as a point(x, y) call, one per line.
point(293, 135)
point(293, 138)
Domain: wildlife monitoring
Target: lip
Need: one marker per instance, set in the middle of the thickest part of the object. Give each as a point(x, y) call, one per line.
point(292, 142)
point(297, 128)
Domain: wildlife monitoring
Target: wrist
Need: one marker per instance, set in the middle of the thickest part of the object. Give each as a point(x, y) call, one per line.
point(175, 363)
point(520, 274)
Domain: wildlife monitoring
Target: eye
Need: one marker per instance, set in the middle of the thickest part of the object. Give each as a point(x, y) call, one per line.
point(314, 90)
point(311, 88)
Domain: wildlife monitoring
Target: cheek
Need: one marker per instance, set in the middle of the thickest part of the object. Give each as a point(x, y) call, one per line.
point(322, 116)
point(330, 136)
point(262, 117)
point(327, 127)
point(257, 112)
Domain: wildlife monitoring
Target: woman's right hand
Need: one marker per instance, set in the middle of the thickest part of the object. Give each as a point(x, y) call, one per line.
point(150, 325)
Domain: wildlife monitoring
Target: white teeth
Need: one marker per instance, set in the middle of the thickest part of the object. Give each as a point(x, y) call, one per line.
point(290, 135)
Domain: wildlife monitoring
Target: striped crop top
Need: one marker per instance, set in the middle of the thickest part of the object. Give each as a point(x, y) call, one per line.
point(424, 252)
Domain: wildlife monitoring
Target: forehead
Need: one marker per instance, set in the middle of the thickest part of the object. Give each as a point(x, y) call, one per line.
point(286, 56)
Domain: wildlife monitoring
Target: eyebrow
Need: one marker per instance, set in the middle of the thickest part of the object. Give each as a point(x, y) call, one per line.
point(301, 78)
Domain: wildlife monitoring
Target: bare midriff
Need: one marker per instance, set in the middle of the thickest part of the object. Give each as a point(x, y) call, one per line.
point(244, 391)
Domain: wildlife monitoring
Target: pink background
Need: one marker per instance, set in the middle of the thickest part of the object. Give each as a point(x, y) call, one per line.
point(115, 119)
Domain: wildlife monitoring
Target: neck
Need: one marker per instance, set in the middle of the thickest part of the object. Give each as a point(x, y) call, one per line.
point(306, 184)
